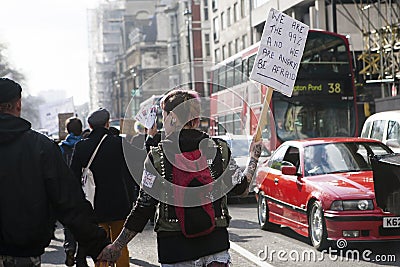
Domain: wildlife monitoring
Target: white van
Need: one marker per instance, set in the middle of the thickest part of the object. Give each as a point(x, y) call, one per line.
point(384, 126)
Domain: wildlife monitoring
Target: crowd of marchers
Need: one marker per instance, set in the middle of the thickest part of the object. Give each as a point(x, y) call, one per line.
point(40, 183)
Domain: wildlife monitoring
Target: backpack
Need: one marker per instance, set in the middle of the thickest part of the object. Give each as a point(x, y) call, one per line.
point(192, 169)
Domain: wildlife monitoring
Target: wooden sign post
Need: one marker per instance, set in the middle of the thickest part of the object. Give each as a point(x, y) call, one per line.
point(263, 120)
point(278, 58)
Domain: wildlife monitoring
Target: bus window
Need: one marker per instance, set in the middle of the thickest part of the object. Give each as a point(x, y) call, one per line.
point(250, 64)
point(222, 78)
point(214, 82)
point(245, 68)
point(322, 119)
point(237, 124)
point(229, 74)
point(238, 71)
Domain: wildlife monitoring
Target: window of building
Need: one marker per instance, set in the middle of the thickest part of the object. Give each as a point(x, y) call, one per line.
point(244, 41)
point(205, 9)
point(214, 5)
point(173, 23)
point(174, 55)
point(230, 49)
point(216, 29)
point(235, 12)
point(242, 8)
point(228, 17)
point(237, 45)
point(258, 3)
point(217, 55)
point(223, 20)
point(224, 52)
point(174, 59)
point(207, 44)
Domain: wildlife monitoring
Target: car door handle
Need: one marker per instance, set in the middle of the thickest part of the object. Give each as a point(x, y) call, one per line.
point(276, 180)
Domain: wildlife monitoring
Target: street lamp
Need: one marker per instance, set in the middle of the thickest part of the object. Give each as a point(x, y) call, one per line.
point(135, 92)
point(188, 15)
point(115, 99)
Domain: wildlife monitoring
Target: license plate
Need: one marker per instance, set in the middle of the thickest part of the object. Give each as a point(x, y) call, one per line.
point(391, 222)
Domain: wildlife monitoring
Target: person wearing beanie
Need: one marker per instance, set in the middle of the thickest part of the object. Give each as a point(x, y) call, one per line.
point(111, 176)
point(37, 189)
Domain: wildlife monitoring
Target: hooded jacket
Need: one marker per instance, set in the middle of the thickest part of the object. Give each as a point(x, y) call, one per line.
point(36, 189)
point(67, 146)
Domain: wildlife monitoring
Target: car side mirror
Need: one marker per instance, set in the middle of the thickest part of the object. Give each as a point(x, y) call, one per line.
point(289, 170)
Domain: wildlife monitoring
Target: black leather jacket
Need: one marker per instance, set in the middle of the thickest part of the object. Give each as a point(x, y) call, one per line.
point(173, 246)
point(36, 188)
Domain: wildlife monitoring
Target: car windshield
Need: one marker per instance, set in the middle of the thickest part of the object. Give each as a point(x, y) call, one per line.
point(340, 157)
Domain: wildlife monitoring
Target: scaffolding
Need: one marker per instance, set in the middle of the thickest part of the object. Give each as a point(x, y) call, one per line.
point(379, 23)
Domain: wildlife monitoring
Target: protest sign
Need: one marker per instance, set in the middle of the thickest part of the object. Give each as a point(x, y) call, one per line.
point(280, 51)
point(147, 115)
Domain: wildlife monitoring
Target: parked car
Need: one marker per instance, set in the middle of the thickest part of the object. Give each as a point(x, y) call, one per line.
point(385, 127)
point(240, 146)
point(323, 188)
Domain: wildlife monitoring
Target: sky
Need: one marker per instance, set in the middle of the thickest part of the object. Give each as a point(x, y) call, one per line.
point(47, 41)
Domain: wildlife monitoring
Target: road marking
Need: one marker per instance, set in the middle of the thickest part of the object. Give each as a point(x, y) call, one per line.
point(248, 255)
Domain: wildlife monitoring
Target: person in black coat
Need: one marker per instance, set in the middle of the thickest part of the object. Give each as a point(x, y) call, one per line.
point(114, 183)
point(37, 188)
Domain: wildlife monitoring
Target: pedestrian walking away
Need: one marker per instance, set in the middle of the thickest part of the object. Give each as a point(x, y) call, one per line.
point(114, 184)
point(37, 188)
point(74, 129)
point(195, 235)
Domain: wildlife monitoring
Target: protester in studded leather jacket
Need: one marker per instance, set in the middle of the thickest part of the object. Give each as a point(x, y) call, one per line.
point(173, 247)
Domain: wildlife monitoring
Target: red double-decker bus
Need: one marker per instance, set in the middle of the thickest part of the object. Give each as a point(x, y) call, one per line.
point(323, 103)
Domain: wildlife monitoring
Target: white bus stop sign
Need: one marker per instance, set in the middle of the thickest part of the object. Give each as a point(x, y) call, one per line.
point(280, 51)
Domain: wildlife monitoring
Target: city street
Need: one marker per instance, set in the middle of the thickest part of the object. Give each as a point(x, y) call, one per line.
point(251, 246)
point(302, 96)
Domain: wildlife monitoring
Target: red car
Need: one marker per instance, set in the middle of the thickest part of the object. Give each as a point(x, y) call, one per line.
point(324, 189)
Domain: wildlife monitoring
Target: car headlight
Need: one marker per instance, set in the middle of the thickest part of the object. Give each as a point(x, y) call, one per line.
point(363, 204)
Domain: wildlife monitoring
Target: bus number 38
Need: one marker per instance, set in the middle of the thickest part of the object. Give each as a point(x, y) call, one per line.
point(334, 88)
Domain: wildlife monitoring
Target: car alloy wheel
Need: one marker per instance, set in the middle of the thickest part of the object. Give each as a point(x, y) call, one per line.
point(317, 228)
point(263, 213)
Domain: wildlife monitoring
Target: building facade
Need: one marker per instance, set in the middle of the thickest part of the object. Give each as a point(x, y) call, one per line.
point(132, 40)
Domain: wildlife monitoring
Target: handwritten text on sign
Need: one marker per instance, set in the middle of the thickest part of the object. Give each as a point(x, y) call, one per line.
point(280, 52)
